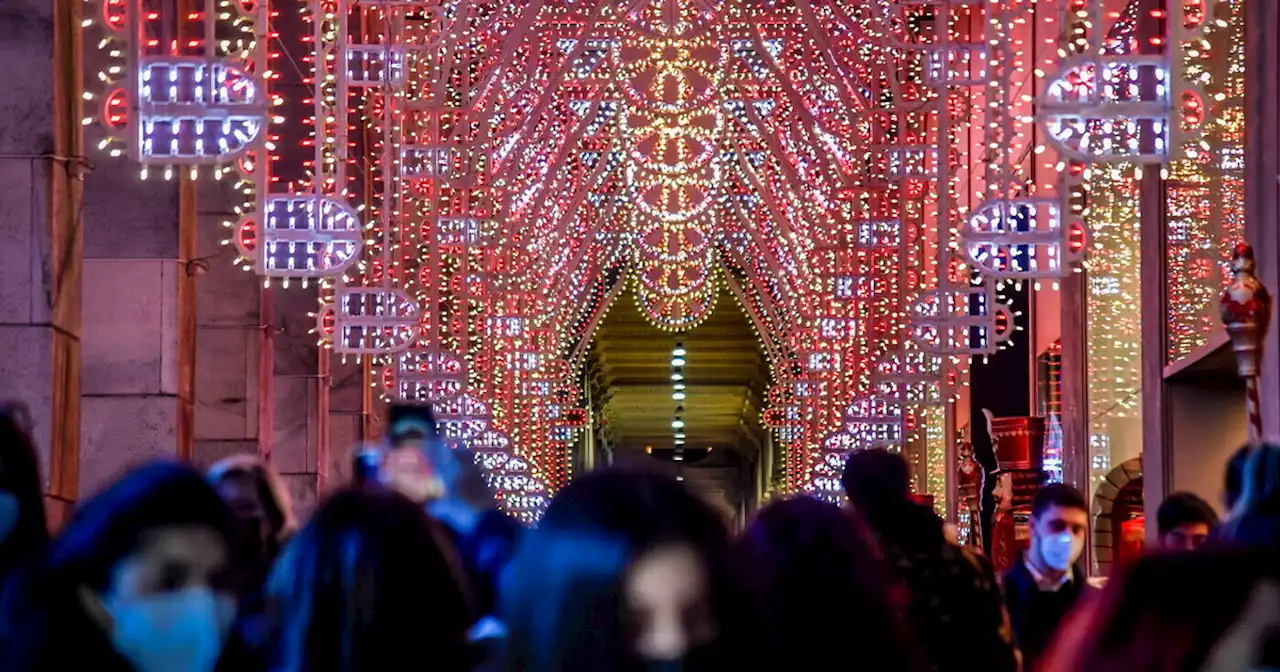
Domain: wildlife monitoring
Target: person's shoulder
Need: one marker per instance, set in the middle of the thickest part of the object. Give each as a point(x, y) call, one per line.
point(497, 522)
point(966, 559)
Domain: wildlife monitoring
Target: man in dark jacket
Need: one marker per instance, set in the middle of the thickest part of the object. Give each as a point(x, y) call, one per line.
point(954, 601)
point(1046, 583)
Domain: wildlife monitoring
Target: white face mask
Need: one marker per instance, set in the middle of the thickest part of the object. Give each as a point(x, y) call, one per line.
point(182, 631)
point(1060, 551)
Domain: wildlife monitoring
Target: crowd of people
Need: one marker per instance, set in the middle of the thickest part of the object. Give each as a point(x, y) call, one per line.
point(413, 567)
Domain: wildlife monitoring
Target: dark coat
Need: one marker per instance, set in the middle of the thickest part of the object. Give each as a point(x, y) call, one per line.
point(954, 603)
point(1036, 614)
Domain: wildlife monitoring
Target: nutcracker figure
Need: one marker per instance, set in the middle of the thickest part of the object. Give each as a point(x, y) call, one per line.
point(1019, 448)
point(969, 479)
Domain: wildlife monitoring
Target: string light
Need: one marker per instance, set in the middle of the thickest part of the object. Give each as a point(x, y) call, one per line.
point(478, 184)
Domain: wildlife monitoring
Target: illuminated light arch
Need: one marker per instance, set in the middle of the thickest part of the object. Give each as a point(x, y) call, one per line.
point(1095, 111)
point(198, 101)
point(302, 237)
point(364, 321)
point(526, 160)
point(1023, 238)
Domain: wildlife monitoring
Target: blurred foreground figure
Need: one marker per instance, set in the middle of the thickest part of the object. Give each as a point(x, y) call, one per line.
point(134, 583)
point(447, 481)
point(371, 584)
point(23, 530)
point(1253, 493)
point(1210, 611)
point(260, 504)
point(626, 571)
point(815, 576)
point(1184, 522)
point(954, 606)
point(264, 516)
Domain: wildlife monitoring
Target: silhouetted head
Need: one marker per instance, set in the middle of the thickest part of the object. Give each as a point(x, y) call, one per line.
point(1184, 521)
point(876, 479)
point(626, 570)
point(259, 501)
point(370, 583)
point(1253, 478)
point(815, 575)
point(23, 530)
point(878, 485)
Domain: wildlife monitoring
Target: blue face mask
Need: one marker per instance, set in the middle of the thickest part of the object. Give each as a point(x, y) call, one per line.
point(8, 514)
point(181, 631)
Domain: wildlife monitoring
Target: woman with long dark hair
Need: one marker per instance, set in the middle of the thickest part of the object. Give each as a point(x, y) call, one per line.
point(23, 530)
point(816, 576)
point(370, 583)
point(264, 517)
point(136, 582)
point(626, 571)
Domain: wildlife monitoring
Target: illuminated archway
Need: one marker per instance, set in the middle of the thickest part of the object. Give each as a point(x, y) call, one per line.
point(479, 177)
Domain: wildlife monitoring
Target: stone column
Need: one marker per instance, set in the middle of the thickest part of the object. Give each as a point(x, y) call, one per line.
point(40, 230)
point(132, 399)
point(1262, 179)
point(229, 330)
point(348, 395)
point(299, 395)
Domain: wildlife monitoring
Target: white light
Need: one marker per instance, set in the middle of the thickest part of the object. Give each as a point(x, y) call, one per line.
point(677, 423)
point(679, 352)
point(678, 396)
point(677, 376)
point(677, 361)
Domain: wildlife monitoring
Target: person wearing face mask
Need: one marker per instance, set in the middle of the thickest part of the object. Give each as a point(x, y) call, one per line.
point(1045, 583)
point(23, 533)
point(136, 582)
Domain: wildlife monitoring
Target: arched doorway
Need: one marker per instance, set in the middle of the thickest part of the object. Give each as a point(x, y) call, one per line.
point(1118, 517)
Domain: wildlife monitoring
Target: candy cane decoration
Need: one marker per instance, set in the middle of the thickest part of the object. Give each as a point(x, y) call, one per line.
point(1246, 312)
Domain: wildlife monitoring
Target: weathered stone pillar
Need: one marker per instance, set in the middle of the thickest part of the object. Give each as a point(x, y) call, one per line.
point(1262, 179)
point(300, 391)
point(133, 393)
point(229, 330)
point(347, 408)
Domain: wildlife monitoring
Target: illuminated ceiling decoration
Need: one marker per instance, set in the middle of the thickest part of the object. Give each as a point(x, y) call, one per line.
point(483, 177)
point(181, 93)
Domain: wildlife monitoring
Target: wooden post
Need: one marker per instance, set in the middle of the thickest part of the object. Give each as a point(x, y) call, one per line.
point(187, 222)
point(66, 189)
point(266, 373)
